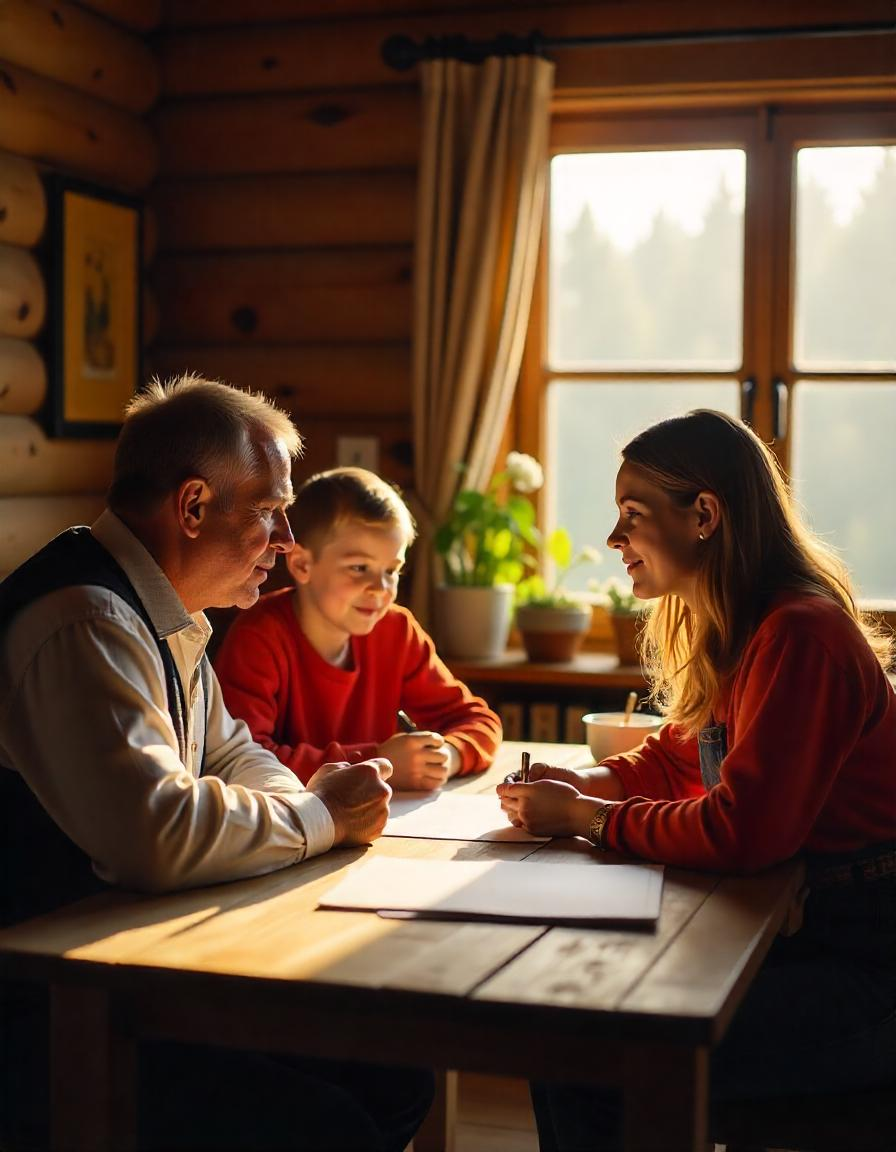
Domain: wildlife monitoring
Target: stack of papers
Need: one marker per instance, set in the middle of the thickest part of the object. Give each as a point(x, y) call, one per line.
point(522, 892)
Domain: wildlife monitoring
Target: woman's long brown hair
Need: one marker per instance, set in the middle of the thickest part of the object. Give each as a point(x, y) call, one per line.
point(761, 548)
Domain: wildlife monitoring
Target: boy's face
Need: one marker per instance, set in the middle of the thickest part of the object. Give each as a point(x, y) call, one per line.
point(347, 586)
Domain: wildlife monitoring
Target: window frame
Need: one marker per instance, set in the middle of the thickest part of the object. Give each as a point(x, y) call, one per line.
point(770, 134)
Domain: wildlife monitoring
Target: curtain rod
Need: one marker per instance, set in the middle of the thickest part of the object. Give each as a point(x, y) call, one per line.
point(401, 52)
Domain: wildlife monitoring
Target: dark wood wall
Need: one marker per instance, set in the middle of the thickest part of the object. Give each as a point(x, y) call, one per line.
point(278, 153)
point(287, 188)
point(76, 84)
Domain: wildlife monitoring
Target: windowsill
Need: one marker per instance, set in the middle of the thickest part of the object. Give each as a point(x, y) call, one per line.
point(587, 669)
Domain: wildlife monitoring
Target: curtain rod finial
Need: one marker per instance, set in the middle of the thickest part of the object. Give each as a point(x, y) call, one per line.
point(400, 53)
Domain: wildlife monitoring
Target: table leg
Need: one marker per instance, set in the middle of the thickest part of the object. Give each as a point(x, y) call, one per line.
point(437, 1132)
point(92, 1074)
point(666, 1097)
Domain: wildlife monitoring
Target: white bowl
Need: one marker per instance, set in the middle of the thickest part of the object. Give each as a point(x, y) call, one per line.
point(608, 734)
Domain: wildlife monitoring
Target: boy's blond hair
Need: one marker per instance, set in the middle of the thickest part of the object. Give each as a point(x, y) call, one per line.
point(329, 498)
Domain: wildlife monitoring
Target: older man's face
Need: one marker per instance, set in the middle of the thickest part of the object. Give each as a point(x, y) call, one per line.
point(240, 545)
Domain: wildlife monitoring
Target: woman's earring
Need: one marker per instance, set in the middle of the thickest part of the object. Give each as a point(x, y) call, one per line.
point(700, 536)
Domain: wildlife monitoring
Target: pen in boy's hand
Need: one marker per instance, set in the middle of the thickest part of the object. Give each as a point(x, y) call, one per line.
point(405, 723)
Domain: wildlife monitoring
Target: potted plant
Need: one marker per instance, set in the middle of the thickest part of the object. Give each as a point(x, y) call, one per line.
point(482, 545)
point(626, 614)
point(552, 624)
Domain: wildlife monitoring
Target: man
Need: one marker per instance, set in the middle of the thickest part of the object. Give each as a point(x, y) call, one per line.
point(121, 764)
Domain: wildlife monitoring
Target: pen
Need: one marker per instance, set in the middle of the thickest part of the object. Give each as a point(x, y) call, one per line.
point(405, 723)
point(524, 769)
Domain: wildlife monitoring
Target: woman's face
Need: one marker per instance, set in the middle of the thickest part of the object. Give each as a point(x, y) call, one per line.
point(658, 539)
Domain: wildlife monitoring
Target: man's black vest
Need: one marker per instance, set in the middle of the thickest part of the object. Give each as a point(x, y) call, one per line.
point(41, 867)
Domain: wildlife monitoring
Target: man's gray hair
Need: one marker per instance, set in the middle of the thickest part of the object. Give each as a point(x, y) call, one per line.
point(190, 426)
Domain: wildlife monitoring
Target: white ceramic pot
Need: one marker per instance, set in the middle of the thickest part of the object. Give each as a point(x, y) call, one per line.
point(608, 733)
point(473, 623)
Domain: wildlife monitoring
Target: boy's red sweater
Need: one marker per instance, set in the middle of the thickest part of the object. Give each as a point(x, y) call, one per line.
point(309, 713)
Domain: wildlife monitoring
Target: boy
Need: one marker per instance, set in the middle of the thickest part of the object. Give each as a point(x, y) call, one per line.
point(319, 671)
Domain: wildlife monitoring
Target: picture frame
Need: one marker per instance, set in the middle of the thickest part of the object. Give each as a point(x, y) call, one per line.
point(95, 308)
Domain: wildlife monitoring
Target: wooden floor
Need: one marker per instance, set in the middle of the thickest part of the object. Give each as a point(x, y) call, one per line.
point(494, 1115)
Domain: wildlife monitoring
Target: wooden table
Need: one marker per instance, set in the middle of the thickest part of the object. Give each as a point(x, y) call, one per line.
point(633, 1008)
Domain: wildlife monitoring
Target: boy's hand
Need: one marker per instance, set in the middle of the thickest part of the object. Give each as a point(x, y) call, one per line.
point(357, 798)
point(421, 761)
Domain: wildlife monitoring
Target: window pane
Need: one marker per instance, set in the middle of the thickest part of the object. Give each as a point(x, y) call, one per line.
point(844, 475)
point(845, 301)
point(588, 422)
point(646, 260)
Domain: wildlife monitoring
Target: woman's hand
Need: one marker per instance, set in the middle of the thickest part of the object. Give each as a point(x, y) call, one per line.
point(547, 807)
point(600, 782)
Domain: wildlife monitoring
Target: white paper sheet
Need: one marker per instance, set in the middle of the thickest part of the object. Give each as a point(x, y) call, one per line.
point(625, 895)
point(452, 816)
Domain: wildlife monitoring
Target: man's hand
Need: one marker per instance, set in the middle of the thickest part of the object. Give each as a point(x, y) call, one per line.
point(357, 798)
point(421, 761)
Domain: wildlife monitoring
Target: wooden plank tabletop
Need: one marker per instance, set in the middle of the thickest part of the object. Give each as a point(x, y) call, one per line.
point(269, 929)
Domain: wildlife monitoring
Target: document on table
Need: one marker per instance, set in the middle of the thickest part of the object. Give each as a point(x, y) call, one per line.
point(578, 895)
point(452, 816)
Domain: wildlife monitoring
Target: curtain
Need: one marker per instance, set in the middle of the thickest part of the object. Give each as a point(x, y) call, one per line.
point(482, 178)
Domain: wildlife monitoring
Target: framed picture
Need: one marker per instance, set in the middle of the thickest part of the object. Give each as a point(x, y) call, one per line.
point(95, 308)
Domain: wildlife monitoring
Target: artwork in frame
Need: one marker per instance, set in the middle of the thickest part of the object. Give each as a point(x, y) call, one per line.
point(95, 330)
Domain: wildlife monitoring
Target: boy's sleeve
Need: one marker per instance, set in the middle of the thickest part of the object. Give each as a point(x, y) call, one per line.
point(252, 667)
point(438, 701)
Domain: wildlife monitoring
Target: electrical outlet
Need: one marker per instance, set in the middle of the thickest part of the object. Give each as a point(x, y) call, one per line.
point(358, 452)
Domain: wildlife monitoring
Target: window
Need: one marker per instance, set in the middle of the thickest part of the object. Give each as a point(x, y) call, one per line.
point(740, 260)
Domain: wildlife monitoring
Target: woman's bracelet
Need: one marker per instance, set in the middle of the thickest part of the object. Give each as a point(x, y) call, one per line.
point(598, 826)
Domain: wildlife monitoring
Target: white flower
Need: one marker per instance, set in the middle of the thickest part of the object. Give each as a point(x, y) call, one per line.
point(592, 555)
point(524, 472)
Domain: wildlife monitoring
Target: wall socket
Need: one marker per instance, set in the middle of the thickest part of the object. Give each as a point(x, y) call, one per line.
point(358, 452)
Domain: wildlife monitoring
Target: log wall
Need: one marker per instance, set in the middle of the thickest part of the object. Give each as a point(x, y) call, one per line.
point(76, 84)
point(288, 157)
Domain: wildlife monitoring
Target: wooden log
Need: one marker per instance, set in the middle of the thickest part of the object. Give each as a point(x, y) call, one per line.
point(287, 211)
point(149, 323)
point(31, 464)
point(321, 434)
point(23, 297)
point(347, 130)
point(23, 378)
point(260, 55)
point(23, 202)
point(65, 129)
point(208, 13)
point(140, 15)
point(149, 240)
point(62, 42)
point(286, 298)
point(29, 522)
point(305, 379)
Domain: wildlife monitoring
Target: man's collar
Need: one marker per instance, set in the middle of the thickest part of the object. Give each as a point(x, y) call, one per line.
point(155, 590)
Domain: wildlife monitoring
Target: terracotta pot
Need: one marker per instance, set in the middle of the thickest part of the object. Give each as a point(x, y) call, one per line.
point(552, 635)
point(627, 630)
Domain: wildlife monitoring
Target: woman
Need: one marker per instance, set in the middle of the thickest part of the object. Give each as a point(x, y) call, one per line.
point(782, 740)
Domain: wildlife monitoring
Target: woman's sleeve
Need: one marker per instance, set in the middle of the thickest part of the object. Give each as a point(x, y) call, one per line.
point(796, 714)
